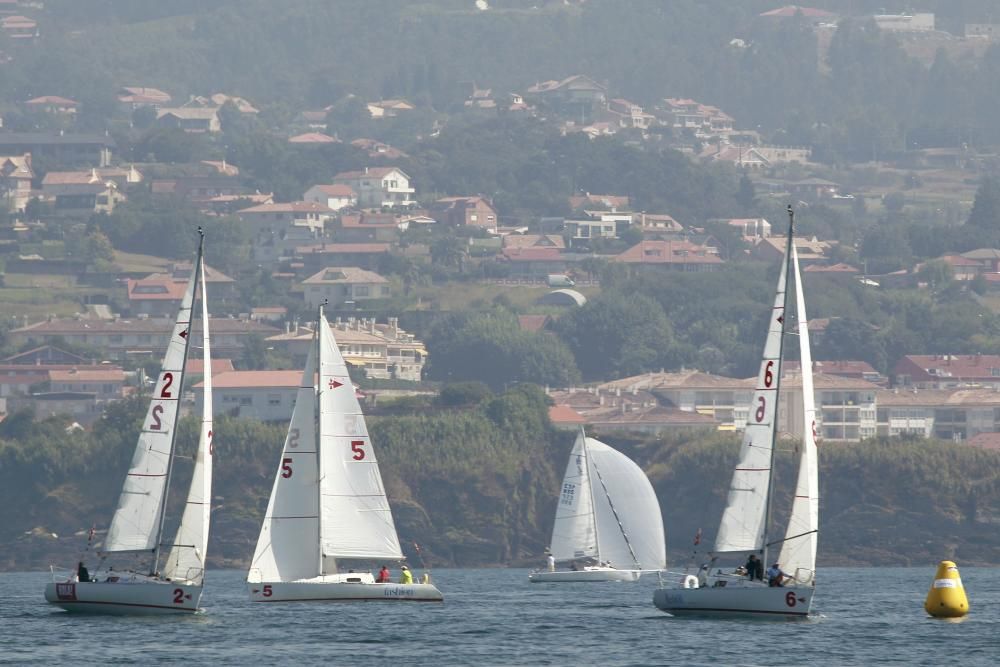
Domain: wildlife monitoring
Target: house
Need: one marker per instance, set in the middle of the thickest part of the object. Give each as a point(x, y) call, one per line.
point(274, 218)
point(269, 313)
point(60, 148)
point(813, 188)
point(131, 98)
point(575, 96)
point(382, 351)
point(946, 371)
point(612, 409)
point(388, 108)
point(160, 294)
point(589, 201)
point(628, 115)
point(701, 120)
point(263, 395)
point(43, 355)
point(678, 255)
point(139, 338)
point(832, 270)
point(363, 255)
point(335, 196)
point(751, 229)
point(963, 268)
point(52, 104)
point(852, 369)
point(376, 148)
point(229, 204)
point(656, 225)
point(602, 226)
point(378, 187)
point(15, 181)
point(791, 11)
point(535, 263)
point(313, 139)
point(368, 227)
point(105, 383)
point(203, 185)
point(474, 211)
point(194, 120)
point(81, 192)
point(741, 157)
point(810, 251)
point(910, 22)
point(241, 104)
point(338, 286)
point(121, 176)
point(534, 241)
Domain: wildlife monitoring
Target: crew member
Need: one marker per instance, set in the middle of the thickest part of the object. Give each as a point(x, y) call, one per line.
point(405, 576)
point(383, 576)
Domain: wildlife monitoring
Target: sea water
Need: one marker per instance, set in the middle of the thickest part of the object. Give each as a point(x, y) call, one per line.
point(870, 616)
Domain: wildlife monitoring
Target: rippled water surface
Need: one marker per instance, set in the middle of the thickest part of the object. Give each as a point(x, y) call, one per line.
point(495, 617)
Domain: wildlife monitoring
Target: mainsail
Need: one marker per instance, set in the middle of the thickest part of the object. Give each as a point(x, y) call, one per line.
point(628, 515)
point(288, 545)
point(136, 524)
point(744, 519)
point(355, 518)
point(574, 533)
point(187, 555)
point(798, 552)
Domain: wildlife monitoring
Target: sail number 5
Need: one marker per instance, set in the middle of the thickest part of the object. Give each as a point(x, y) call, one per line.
point(286, 467)
point(357, 446)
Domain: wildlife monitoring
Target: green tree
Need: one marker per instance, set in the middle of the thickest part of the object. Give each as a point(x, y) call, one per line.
point(985, 212)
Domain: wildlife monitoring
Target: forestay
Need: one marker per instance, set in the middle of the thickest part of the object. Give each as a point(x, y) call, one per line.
point(136, 523)
point(742, 527)
point(574, 533)
point(356, 521)
point(187, 555)
point(622, 492)
point(288, 545)
point(798, 552)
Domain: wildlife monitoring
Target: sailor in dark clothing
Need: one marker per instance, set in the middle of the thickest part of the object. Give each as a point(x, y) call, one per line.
point(755, 569)
point(81, 572)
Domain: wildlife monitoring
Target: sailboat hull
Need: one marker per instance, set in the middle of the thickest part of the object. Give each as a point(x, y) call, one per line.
point(148, 597)
point(342, 591)
point(781, 603)
point(588, 575)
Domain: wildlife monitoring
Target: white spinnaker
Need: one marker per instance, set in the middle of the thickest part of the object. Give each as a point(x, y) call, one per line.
point(742, 526)
point(629, 499)
point(798, 552)
point(288, 545)
point(136, 522)
point(574, 532)
point(187, 555)
point(355, 518)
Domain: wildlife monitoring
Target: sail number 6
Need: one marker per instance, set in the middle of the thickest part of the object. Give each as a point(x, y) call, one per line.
point(768, 374)
point(760, 409)
point(357, 446)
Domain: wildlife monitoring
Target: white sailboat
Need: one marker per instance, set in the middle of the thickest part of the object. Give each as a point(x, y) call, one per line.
point(745, 522)
point(608, 525)
point(327, 504)
point(137, 525)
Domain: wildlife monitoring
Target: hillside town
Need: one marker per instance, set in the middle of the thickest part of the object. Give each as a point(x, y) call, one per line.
point(370, 241)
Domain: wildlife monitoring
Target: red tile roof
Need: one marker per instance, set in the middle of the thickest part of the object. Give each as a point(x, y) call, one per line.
point(288, 207)
point(255, 380)
point(667, 252)
point(53, 99)
point(346, 248)
point(335, 190)
point(563, 414)
point(197, 366)
point(313, 138)
point(532, 254)
point(88, 375)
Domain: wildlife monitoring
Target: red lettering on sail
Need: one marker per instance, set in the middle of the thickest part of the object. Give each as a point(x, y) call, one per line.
point(760, 409)
point(334, 384)
point(156, 412)
point(357, 448)
point(286, 467)
point(168, 380)
point(768, 375)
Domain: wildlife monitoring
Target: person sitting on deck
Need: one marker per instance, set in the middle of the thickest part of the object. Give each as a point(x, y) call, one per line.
point(775, 577)
point(383, 576)
point(405, 576)
point(81, 572)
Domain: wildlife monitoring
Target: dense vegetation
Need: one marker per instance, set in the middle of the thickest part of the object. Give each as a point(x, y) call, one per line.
point(476, 484)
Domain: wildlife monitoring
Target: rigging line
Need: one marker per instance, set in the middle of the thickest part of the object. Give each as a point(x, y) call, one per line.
point(792, 537)
point(615, 513)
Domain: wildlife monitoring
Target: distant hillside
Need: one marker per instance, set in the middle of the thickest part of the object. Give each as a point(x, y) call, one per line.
point(478, 487)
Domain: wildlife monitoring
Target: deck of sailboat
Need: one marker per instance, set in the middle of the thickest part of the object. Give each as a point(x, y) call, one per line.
point(587, 574)
point(146, 597)
point(342, 591)
point(750, 601)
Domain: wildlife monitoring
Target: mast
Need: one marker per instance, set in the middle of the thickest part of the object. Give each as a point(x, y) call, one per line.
point(317, 426)
point(173, 436)
point(777, 387)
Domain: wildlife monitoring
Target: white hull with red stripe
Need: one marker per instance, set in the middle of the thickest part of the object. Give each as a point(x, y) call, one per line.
point(735, 601)
point(126, 596)
point(344, 587)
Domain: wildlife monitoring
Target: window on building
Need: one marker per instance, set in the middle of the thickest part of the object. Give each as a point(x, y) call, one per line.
point(274, 399)
point(246, 400)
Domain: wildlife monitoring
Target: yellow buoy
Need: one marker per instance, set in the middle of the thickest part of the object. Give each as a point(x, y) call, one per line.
point(947, 599)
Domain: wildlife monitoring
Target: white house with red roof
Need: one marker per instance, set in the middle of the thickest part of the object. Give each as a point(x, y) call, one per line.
point(337, 285)
point(131, 98)
point(313, 139)
point(379, 187)
point(334, 196)
point(52, 104)
point(263, 395)
point(679, 255)
point(277, 217)
point(15, 181)
point(944, 371)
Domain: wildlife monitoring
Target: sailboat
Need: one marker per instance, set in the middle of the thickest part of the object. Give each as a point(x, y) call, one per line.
point(138, 523)
point(327, 504)
point(608, 525)
point(745, 526)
